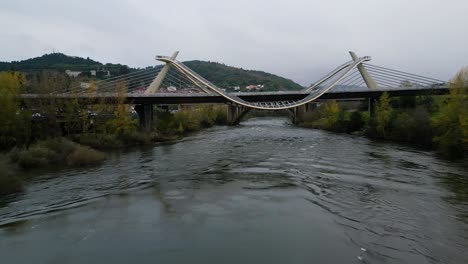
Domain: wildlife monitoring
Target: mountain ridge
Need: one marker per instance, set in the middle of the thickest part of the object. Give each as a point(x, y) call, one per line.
point(228, 77)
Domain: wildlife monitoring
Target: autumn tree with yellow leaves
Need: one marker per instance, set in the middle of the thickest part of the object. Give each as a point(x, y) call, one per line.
point(14, 124)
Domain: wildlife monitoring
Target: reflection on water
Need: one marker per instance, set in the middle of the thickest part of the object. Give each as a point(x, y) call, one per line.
point(261, 192)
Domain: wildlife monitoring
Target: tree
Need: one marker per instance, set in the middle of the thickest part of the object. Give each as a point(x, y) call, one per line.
point(451, 124)
point(122, 123)
point(331, 110)
point(14, 125)
point(383, 114)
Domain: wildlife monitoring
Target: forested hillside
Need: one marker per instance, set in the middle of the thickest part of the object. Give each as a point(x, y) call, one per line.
point(229, 77)
point(62, 62)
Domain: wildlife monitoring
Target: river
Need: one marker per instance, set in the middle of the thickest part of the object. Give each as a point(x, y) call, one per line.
point(262, 192)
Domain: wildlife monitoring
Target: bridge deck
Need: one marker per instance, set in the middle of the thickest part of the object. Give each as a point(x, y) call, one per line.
point(199, 98)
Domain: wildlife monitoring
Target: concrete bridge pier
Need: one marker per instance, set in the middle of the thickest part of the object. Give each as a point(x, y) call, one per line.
point(235, 113)
point(371, 106)
point(145, 114)
point(298, 113)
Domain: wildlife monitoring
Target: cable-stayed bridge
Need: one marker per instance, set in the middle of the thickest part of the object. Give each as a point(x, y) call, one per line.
point(175, 83)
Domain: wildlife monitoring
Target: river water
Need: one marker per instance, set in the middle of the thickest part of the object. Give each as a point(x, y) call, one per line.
point(262, 192)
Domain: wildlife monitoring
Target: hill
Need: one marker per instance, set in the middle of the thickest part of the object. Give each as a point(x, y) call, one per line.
point(61, 62)
point(229, 77)
point(224, 76)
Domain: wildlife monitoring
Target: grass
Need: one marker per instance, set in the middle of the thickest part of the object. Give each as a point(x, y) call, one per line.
point(83, 155)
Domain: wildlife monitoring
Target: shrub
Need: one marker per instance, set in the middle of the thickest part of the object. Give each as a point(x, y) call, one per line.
point(309, 117)
point(36, 156)
point(330, 113)
point(451, 124)
point(54, 151)
point(189, 119)
point(99, 141)
point(383, 114)
point(341, 124)
point(412, 126)
point(186, 121)
point(83, 155)
point(61, 146)
point(9, 183)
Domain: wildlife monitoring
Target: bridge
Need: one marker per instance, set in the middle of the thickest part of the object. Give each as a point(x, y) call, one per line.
point(175, 83)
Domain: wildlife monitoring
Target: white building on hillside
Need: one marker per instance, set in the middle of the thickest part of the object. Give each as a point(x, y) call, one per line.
point(73, 74)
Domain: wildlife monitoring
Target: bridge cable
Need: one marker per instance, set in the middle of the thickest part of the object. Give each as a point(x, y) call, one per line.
point(400, 73)
point(399, 77)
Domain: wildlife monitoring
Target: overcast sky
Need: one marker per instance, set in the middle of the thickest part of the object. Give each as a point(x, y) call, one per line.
point(301, 40)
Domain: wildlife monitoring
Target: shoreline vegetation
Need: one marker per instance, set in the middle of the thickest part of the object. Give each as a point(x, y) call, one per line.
point(72, 134)
point(436, 122)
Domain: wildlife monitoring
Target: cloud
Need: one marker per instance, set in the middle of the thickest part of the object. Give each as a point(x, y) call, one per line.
point(298, 39)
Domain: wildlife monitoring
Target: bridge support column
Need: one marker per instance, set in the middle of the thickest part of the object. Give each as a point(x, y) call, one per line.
point(365, 75)
point(145, 114)
point(154, 86)
point(371, 106)
point(298, 113)
point(235, 113)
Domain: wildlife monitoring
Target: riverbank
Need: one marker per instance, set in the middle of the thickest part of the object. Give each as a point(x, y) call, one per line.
point(90, 148)
point(55, 152)
point(438, 123)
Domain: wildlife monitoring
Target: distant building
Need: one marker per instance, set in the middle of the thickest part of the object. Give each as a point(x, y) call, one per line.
point(236, 88)
point(93, 72)
point(140, 90)
point(255, 87)
point(171, 89)
point(250, 87)
point(85, 85)
point(73, 74)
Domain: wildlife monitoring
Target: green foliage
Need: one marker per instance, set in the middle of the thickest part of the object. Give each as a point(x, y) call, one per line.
point(122, 123)
point(226, 76)
point(329, 117)
point(98, 140)
point(53, 66)
point(451, 124)
point(331, 110)
point(61, 62)
point(83, 155)
point(36, 156)
point(14, 124)
point(410, 121)
point(54, 151)
point(383, 114)
point(71, 110)
point(404, 102)
point(412, 126)
point(189, 119)
point(47, 81)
